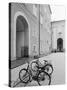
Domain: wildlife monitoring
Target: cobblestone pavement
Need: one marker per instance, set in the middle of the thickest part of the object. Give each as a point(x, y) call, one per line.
point(58, 76)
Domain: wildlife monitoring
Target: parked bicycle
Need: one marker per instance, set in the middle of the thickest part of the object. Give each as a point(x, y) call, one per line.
point(38, 73)
point(46, 66)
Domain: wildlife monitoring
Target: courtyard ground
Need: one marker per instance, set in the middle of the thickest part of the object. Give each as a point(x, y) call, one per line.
point(58, 76)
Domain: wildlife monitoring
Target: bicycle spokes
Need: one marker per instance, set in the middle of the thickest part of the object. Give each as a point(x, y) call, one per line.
point(24, 76)
point(40, 74)
point(49, 69)
point(44, 79)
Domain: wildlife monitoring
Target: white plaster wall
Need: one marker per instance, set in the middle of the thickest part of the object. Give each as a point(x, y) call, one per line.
point(54, 39)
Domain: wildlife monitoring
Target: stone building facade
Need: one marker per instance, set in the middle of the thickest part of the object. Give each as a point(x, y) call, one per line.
point(45, 29)
point(30, 27)
point(58, 35)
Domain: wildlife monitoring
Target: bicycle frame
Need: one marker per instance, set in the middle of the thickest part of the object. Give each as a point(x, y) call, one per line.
point(36, 77)
point(32, 77)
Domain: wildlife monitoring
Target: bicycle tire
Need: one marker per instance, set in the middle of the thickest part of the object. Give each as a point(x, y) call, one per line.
point(46, 74)
point(34, 62)
point(23, 81)
point(48, 65)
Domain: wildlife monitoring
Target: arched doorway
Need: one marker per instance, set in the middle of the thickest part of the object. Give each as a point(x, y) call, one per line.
point(22, 37)
point(60, 44)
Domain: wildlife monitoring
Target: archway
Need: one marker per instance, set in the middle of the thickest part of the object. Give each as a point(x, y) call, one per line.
point(60, 44)
point(22, 37)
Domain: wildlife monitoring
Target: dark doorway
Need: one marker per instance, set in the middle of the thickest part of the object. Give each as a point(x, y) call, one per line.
point(22, 38)
point(60, 44)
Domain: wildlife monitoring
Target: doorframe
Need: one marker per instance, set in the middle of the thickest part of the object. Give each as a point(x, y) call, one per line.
point(57, 42)
point(15, 18)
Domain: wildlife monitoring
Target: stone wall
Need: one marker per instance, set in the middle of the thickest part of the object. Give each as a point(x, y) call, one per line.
point(58, 29)
point(45, 30)
point(31, 15)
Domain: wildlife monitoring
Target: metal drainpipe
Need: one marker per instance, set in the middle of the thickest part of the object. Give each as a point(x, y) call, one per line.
point(51, 38)
point(39, 29)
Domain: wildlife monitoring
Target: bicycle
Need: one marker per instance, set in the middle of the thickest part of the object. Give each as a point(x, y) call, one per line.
point(42, 77)
point(47, 67)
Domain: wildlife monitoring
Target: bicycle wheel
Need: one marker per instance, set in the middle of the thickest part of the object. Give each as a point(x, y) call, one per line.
point(34, 66)
point(48, 68)
point(44, 78)
point(24, 76)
